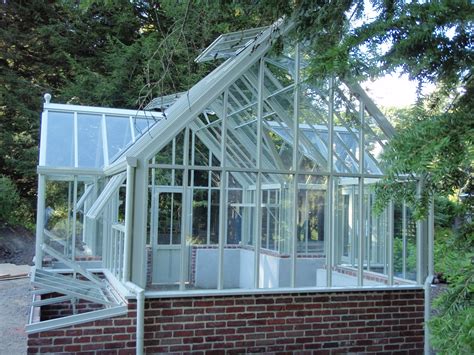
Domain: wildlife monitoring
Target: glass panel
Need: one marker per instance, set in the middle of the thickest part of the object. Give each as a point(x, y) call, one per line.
point(239, 251)
point(166, 213)
point(404, 244)
point(172, 152)
point(60, 140)
point(89, 136)
point(311, 251)
point(375, 140)
point(57, 220)
point(119, 135)
point(346, 231)
point(241, 140)
point(281, 123)
point(313, 120)
point(346, 130)
point(141, 125)
point(276, 231)
point(64, 223)
point(202, 248)
point(376, 251)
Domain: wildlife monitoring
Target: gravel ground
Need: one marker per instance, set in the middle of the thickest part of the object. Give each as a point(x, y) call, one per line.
point(15, 298)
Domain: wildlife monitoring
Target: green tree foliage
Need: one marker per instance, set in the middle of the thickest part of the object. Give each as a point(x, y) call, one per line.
point(107, 53)
point(9, 200)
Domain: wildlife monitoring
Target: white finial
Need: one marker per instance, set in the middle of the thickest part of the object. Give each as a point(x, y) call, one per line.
point(47, 98)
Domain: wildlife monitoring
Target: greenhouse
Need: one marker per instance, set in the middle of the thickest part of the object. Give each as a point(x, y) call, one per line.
point(259, 180)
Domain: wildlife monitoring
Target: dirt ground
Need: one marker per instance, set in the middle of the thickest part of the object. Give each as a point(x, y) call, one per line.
point(15, 301)
point(17, 246)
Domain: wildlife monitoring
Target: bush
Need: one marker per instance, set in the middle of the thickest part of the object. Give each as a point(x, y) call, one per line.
point(9, 201)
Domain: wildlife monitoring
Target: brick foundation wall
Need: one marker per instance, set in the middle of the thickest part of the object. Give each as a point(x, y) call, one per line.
point(330, 322)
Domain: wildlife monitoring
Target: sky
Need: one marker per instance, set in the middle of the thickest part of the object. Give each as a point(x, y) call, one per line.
point(393, 91)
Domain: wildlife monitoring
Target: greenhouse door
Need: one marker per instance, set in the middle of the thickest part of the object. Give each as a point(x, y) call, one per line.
point(166, 234)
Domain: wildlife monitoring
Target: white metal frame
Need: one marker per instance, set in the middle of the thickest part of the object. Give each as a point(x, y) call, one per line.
point(243, 147)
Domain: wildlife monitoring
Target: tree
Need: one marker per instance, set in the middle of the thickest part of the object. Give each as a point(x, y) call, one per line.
point(105, 53)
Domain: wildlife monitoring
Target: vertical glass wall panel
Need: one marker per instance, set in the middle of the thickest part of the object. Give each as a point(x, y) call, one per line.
point(346, 231)
point(239, 250)
point(67, 231)
point(200, 154)
point(346, 154)
point(241, 135)
point(375, 140)
point(313, 125)
point(113, 229)
point(376, 237)
point(60, 139)
point(311, 231)
point(89, 141)
point(206, 129)
point(276, 231)
point(92, 233)
point(119, 135)
point(202, 239)
point(280, 122)
point(57, 220)
point(166, 193)
point(172, 152)
point(404, 243)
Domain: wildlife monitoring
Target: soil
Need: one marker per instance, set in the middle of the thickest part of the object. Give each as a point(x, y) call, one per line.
point(17, 246)
point(14, 311)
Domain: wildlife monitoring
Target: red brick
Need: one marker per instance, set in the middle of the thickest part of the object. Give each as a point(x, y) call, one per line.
point(40, 341)
point(203, 346)
point(203, 303)
point(115, 345)
point(95, 346)
point(51, 349)
point(80, 340)
point(62, 341)
point(74, 332)
point(172, 312)
point(72, 348)
point(101, 338)
point(121, 337)
point(183, 333)
point(200, 332)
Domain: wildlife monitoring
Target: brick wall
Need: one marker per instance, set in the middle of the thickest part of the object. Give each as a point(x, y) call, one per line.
point(332, 322)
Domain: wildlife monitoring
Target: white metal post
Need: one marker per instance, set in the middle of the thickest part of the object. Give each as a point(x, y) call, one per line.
point(258, 193)
point(40, 219)
point(404, 240)
point(131, 165)
point(431, 229)
point(223, 195)
point(185, 215)
point(74, 218)
point(294, 233)
point(360, 271)
point(330, 237)
point(390, 225)
point(419, 239)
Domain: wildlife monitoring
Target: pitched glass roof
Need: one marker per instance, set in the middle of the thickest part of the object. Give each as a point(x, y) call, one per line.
point(89, 137)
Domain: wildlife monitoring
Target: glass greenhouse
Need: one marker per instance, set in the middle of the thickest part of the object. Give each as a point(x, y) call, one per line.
point(258, 178)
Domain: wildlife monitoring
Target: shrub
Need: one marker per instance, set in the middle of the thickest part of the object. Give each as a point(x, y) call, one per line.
point(9, 201)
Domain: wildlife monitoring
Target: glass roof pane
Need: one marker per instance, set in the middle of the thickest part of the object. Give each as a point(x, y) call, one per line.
point(89, 136)
point(229, 44)
point(119, 135)
point(60, 140)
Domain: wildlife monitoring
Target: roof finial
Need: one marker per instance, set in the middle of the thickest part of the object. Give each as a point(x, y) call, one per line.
point(47, 98)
